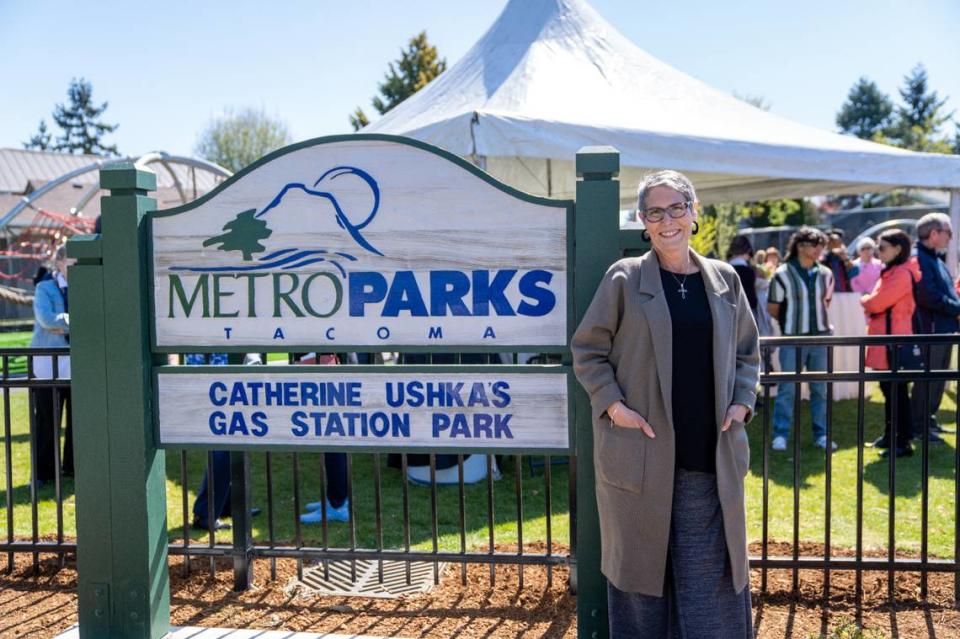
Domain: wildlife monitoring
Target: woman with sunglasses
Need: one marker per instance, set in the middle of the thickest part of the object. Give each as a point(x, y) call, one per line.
point(889, 308)
point(668, 353)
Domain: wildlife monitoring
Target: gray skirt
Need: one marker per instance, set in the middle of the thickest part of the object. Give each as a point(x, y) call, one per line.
point(699, 600)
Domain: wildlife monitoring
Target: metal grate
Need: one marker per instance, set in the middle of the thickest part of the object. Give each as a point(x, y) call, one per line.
point(336, 578)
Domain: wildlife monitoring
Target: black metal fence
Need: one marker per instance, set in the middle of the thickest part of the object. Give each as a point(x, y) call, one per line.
point(922, 374)
point(281, 479)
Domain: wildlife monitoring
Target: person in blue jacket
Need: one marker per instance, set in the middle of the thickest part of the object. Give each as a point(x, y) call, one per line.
point(938, 309)
point(51, 329)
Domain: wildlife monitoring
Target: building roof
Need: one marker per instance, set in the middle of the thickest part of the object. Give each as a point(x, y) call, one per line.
point(20, 167)
point(23, 172)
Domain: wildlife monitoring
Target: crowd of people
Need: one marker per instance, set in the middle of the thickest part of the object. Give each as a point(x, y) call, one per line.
point(904, 288)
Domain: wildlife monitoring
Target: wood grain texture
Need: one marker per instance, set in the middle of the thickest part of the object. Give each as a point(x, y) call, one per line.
point(536, 406)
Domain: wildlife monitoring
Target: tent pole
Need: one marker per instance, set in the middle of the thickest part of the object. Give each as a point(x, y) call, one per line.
point(549, 178)
point(955, 223)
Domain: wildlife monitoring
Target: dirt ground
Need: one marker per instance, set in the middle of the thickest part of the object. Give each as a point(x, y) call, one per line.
point(44, 605)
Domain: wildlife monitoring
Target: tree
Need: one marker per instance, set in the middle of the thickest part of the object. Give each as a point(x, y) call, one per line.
point(921, 115)
point(80, 122)
point(867, 113)
point(243, 233)
point(41, 140)
point(236, 140)
point(419, 63)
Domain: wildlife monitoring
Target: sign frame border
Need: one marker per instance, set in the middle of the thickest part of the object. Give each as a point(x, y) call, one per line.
point(453, 369)
point(567, 204)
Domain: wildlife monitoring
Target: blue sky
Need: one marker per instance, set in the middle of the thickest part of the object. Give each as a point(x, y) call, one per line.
point(167, 68)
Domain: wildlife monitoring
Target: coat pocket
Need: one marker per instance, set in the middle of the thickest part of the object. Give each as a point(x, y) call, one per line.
point(740, 444)
point(620, 455)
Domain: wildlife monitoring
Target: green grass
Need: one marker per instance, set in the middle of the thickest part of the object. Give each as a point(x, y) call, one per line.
point(20, 339)
point(844, 486)
point(843, 523)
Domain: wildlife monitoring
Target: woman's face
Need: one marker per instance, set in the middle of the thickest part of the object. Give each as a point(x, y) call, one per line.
point(866, 254)
point(668, 233)
point(888, 252)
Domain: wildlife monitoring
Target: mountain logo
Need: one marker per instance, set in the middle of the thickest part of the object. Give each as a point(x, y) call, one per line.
point(246, 231)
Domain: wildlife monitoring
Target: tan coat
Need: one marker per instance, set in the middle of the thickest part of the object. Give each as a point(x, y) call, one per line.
point(623, 350)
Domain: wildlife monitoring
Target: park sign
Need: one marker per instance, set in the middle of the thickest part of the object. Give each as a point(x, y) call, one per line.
point(361, 241)
point(396, 407)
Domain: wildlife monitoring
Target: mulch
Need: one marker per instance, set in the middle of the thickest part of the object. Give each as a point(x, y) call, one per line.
point(46, 604)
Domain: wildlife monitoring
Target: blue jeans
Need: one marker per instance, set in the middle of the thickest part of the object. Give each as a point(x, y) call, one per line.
point(221, 489)
point(812, 358)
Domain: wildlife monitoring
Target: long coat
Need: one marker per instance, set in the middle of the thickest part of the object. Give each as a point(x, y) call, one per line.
point(623, 350)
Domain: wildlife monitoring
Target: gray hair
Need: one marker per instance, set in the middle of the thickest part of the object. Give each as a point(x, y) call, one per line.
point(866, 243)
point(672, 179)
point(932, 222)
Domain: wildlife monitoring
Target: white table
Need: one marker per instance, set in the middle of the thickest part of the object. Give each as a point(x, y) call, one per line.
point(846, 316)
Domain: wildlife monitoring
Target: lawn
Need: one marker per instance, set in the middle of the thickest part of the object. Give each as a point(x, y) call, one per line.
point(19, 339)
point(843, 523)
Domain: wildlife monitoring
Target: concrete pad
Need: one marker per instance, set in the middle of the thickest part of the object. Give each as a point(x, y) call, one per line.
point(228, 633)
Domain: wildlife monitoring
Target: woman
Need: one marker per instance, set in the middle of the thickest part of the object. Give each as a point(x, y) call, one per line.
point(773, 260)
point(890, 310)
point(668, 353)
point(51, 329)
point(868, 267)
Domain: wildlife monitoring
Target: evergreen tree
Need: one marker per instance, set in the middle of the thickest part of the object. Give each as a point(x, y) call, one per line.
point(867, 112)
point(240, 138)
point(83, 130)
point(419, 63)
point(243, 233)
point(41, 140)
point(920, 117)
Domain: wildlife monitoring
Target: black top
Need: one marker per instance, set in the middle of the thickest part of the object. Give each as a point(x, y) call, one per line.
point(694, 418)
point(748, 277)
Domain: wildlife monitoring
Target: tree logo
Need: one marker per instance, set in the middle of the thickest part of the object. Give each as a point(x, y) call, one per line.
point(243, 233)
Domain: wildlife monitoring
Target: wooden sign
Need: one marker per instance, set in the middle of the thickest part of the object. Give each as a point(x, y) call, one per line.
point(336, 407)
point(361, 241)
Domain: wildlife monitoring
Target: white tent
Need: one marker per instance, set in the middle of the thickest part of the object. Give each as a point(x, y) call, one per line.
point(551, 76)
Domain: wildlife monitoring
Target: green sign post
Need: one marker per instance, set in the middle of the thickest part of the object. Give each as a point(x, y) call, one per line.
point(441, 258)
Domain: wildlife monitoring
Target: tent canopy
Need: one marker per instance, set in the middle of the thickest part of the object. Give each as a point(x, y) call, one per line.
point(552, 76)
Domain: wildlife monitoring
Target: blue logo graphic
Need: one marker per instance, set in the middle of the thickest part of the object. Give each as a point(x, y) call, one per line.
point(244, 233)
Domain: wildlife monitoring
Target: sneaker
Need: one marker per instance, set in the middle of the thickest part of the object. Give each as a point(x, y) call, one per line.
point(881, 442)
point(779, 443)
point(933, 438)
point(314, 515)
point(822, 443)
point(218, 524)
point(902, 451)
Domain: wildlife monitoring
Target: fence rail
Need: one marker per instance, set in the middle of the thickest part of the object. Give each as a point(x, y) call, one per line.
point(18, 375)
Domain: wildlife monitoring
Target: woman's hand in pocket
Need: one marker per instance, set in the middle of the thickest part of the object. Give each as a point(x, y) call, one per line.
point(624, 417)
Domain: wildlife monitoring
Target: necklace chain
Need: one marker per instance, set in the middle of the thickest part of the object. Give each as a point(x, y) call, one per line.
point(682, 290)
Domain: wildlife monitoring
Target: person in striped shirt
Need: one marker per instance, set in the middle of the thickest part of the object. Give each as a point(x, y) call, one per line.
point(800, 293)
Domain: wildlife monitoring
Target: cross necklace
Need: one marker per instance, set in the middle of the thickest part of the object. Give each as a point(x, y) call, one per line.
point(682, 290)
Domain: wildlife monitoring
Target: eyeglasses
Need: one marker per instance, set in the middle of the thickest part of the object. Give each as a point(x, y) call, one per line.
point(675, 211)
point(882, 247)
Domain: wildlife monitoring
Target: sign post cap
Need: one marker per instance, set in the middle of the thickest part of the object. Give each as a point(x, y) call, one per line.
point(593, 160)
point(127, 176)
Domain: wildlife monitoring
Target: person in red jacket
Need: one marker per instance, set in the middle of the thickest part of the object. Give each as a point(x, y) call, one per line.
point(890, 309)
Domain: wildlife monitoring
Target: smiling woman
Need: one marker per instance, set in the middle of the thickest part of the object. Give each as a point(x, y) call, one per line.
point(670, 443)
